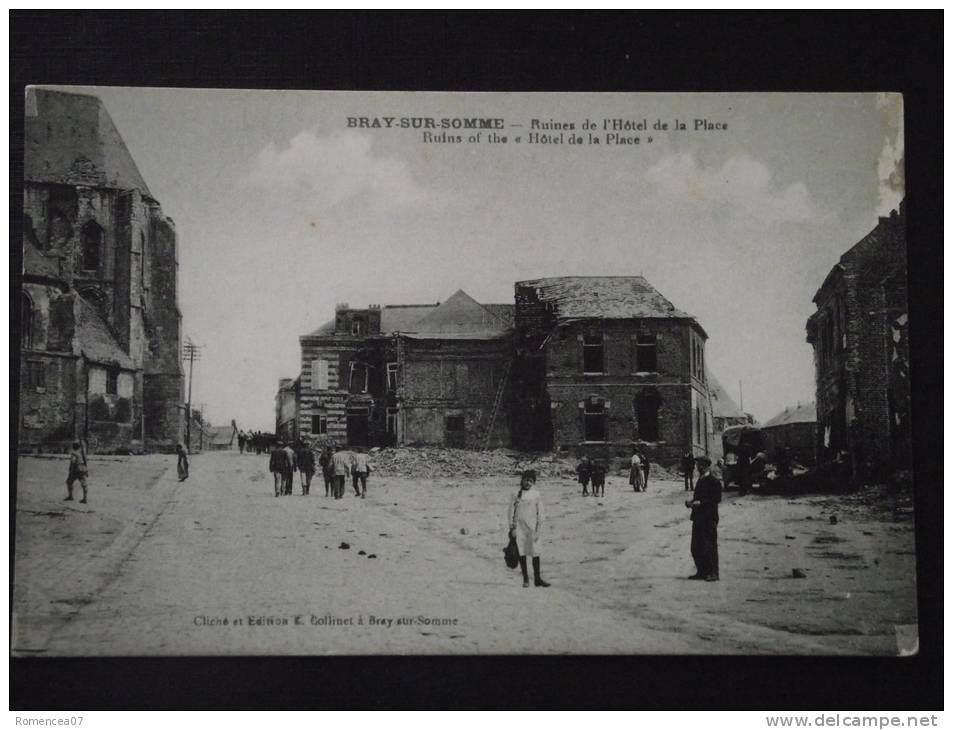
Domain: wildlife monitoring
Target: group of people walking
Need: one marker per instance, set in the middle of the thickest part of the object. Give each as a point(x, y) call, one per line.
point(336, 466)
point(256, 441)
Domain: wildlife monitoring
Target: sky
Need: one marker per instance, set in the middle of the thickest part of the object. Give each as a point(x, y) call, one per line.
point(283, 211)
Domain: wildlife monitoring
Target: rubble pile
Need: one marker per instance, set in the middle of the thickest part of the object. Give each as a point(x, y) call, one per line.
point(438, 462)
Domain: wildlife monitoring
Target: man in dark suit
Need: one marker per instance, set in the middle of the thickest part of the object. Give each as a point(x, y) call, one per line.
point(688, 470)
point(704, 506)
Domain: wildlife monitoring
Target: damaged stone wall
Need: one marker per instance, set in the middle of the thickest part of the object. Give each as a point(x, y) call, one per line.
point(91, 228)
point(447, 392)
point(164, 412)
point(855, 401)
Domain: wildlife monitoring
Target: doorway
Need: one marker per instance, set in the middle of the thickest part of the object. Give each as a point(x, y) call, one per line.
point(357, 426)
point(455, 432)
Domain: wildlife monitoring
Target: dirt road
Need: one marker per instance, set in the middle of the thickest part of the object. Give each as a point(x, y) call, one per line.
point(423, 570)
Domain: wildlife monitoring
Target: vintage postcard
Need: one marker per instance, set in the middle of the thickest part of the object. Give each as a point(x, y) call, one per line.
point(321, 373)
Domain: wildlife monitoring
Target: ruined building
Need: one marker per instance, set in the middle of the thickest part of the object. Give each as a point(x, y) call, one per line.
point(603, 362)
point(408, 374)
point(287, 409)
point(580, 364)
point(100, 327)
point(861, 354)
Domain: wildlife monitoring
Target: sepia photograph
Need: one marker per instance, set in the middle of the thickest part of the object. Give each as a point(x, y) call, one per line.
point(406, 373)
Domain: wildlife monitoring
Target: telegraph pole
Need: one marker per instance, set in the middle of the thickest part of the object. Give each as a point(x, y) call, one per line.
point(191, 352)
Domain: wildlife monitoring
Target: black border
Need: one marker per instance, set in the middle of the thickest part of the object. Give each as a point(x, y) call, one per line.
point(646, 51)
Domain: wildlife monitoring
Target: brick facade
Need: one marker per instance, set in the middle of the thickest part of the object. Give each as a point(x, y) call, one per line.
point(643, 380)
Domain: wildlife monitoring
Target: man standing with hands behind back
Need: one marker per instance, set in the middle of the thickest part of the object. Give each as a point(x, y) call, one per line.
point(704, 506)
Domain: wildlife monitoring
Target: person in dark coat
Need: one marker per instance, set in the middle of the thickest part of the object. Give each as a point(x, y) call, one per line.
point(324, 461)
point(584, 473)
point(598, 478)
point(182, 463)
point(277, 465)
point(241, 442)
point(744, 469)
point(305, 460)
point(688, 470)
point(704, 506)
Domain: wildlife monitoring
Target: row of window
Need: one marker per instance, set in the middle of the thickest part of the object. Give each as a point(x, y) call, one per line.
point(645, 412)
point(593, 354)
point(358, 377)
point(319, 421)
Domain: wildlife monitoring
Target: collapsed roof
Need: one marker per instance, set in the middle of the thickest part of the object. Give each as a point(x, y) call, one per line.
point(603, 297)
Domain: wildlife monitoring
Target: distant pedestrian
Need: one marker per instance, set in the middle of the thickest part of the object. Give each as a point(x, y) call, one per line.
point(276, 465)
point(704, 506)
point(78, 471)
point(584, 474)
point(688, 470)
point(360, 469)
point(327, 470)
point(645, 470)
point(783, 462)
point(598, 478)
point(305, 463)
point(182, 464)
point(340, 467)
point(525, 518)
point(241, 442)
point(290, 465)
point(635, 472)
point(744, 470)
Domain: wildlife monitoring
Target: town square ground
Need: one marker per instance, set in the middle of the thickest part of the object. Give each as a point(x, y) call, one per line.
point(217, 565)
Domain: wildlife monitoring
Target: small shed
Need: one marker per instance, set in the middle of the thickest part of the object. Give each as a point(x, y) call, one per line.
point(222, 438)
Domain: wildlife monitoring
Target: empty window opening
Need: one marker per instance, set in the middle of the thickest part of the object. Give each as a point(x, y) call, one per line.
point(112, 381)
point(92, 242)
point(455, 431)
point(35, 374)
point(595, 420)
point(392, 421)
point(358, 378)
point(59, 231)
point(319, 424)
point(26, 321)
point(592, 354)
point(392, 376)
point(646, 417)
point(646, 356)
